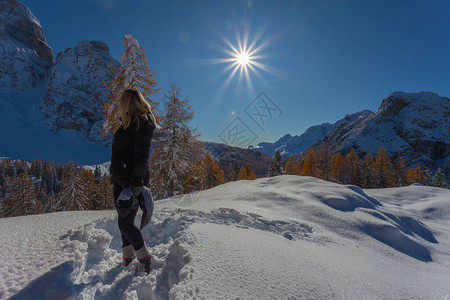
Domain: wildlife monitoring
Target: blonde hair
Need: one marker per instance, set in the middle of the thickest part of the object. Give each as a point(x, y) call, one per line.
point(132, 104)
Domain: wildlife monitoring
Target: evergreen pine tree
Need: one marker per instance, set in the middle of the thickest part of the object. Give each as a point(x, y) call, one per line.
point(134, 73)
point(75, 190)
point(323, 158)
point(50, 203)
point(272, 168)
point(353, 168)
point(439, 179)
point(97, 174)
point(176, 148)
point(232, 171)
point(400, 172)
point(366, 172)
point(2, 181)
point(428, 177)
point(49, 177)
point(279, 167)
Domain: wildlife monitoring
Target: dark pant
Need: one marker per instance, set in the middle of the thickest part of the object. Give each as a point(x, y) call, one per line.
point(131, 235)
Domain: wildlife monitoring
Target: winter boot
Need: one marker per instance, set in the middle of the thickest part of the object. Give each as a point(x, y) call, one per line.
point(146, 261)
point(127, 255)
point(144, 258)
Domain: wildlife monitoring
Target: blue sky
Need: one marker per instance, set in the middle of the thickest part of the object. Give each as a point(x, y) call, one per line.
point(324, 58)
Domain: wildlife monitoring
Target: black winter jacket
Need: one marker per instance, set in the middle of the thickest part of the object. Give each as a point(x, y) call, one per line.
point(130, 152)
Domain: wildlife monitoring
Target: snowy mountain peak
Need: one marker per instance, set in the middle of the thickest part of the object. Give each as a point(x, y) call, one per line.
point(87, 47)
point(75, 93)
point(412, 96)
point(397, 101)
point(289, 145)
point(414, 125)
point(25, 56)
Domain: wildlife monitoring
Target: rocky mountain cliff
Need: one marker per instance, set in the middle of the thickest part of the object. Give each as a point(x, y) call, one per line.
point(50, 110)
point(414, 125)
point(75, 92)
point(25, 56)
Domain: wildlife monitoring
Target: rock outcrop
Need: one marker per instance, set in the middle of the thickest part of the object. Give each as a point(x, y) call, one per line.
point(75, 93)
point(25, 56)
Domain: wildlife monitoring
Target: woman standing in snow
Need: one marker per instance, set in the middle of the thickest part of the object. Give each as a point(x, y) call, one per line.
point(129, 170)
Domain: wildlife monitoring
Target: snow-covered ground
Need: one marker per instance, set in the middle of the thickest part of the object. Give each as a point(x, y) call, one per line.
point(284, 237)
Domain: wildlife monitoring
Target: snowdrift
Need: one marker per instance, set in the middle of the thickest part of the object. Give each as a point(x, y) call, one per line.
point(284, 237)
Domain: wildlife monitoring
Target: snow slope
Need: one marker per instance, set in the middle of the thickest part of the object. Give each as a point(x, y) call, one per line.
point(284, 237)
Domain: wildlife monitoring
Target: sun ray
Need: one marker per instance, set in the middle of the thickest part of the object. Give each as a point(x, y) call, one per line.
point(268, 69)
point(256, 72)
point(248, 78)
point(236, 31)
point(231, 52)
point(255, 40)
point(245, 38)
point(261, 47)
point(212, 61)
point(225, 84)
point(234, 64)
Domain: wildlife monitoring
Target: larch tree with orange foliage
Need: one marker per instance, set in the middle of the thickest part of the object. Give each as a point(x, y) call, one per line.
point(192, 178)
point(246, 172)
point(291, 167)
point(338, 168)
point(416, 175)
point(382, 169)
point(21, 197)
point(310, 164)
point(135, 73)
point(211, 173)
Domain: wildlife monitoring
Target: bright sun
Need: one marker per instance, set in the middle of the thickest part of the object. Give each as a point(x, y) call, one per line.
point(243, 58)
